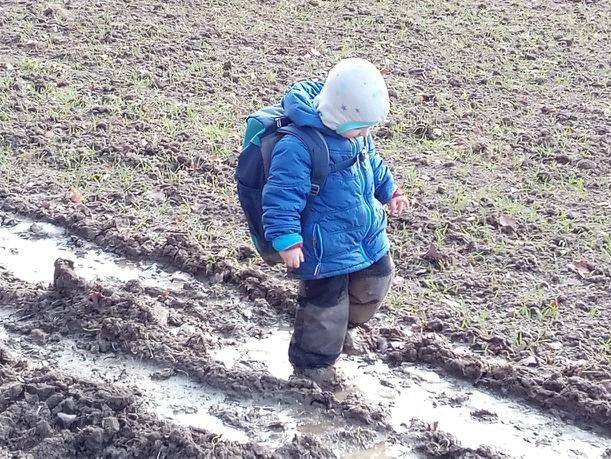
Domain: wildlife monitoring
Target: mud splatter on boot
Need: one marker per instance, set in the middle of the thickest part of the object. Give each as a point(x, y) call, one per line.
point(328, 378)
point(355, 343)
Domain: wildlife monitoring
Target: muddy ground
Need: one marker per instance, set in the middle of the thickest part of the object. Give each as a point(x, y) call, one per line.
point(120, 122)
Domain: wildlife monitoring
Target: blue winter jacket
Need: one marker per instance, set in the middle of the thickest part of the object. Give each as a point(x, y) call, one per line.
point(345, 231)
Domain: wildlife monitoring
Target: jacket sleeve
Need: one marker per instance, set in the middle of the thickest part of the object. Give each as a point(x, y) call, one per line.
point(285, 193)
point(382, 177)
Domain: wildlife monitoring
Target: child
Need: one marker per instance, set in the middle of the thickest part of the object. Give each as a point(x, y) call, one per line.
point(340, 250)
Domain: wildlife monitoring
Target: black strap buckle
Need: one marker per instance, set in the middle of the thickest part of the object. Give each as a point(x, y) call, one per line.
point(314, 189)
point(282, 121)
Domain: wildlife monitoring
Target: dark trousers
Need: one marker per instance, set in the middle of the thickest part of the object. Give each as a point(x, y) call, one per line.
point(327, 306)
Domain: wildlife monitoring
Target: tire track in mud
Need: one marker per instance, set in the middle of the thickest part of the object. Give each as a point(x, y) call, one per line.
point(103, 319)
point(47, 414)
point(170, 396)
point(575, 397)
point(143, 330)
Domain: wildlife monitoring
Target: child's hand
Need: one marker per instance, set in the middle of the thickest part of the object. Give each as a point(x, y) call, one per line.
point(397, 205)
point(292, 257)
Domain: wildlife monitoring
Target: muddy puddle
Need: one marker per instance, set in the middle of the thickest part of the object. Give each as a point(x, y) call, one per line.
point(28, 250)
point(171, 396)
point(475, 417)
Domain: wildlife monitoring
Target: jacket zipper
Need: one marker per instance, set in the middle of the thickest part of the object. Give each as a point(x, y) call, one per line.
point(354, 143)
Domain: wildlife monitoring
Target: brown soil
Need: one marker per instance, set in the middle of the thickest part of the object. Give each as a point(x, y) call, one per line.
point(120, 121)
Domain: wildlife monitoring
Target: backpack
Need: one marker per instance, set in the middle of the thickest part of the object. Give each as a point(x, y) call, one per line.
point(263, 130)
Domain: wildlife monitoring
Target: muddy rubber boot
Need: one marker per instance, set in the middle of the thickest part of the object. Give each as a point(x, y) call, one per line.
point(355, 343)
point(328, 378)
point(321, 320)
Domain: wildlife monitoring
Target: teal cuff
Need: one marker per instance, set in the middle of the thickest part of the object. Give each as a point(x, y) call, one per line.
point(348, 126)
point(286, 240)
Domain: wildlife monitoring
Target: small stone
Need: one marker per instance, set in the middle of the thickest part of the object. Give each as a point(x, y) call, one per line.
point(555, 345)
point(43, 429)
point(66, 420)
point(111, 424)
point(54, 400)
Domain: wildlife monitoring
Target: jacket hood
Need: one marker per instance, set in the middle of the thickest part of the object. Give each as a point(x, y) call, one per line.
point(298, 104)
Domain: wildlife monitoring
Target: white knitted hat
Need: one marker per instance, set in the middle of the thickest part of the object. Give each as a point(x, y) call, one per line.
point(353, 96)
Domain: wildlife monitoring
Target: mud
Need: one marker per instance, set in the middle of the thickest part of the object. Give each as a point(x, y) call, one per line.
point(154, 326)
point(120, 123)
point(577, 388)
point(174, 397)
point(218, 376)
point(28, 249)
point(408, 392)
point(50, 415)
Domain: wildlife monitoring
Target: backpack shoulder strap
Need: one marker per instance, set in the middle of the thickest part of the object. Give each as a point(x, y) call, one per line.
point(319, 153)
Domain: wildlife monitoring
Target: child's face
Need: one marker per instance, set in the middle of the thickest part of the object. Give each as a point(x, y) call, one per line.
point(354, 133)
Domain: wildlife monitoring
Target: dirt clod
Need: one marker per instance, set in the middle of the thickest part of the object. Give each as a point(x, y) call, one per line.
point(65, 419)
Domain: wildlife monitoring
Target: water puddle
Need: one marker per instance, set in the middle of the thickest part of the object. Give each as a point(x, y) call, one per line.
point(269, 353)
point(476, 418)
point(382, 450)
point(29, 249)
point(176, 398)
